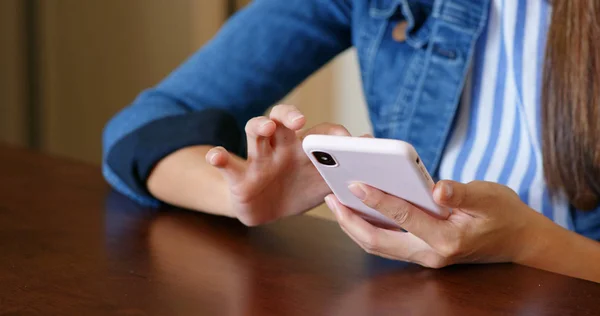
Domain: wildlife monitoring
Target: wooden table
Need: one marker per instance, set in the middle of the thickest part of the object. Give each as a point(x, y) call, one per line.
point(71, 246)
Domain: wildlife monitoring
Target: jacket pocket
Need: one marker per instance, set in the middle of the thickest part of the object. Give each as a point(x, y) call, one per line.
point(384, 60)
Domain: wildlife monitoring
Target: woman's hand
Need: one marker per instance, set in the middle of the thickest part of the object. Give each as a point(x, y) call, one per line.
point(489, 223)
point(277, 179)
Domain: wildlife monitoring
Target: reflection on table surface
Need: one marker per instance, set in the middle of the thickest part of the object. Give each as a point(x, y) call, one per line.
point(302, 265)
point(70, 246)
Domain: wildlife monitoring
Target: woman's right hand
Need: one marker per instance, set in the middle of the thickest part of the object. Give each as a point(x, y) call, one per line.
point(277, 179)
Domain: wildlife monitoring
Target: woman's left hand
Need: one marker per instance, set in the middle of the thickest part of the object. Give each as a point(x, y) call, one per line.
point(489, 223)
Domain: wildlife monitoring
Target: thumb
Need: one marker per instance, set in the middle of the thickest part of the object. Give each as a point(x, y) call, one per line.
point(454, 194)
point(231, 167)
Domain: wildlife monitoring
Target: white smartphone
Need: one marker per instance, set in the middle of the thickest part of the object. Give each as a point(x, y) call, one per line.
point(392, 166)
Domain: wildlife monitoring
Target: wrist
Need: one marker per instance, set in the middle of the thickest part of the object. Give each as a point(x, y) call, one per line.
point(216, 199)
point(537, 239)
point(553, 248)
point(184, 179)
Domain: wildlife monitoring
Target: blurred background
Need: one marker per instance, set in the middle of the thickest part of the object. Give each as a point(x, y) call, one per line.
point(67, 66)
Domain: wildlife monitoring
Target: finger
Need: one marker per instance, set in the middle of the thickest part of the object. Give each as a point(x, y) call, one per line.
point(367, 136)
point(363, 233)
point(323, 129)
point(403, 213)
point(288, 115)
point(283, 138)
point(356, 241)
point(328, 129)
point(415, 249)
point(377, 241)
point(258, 131)
point(474, 195)
point(373, 252)
point(231, 168)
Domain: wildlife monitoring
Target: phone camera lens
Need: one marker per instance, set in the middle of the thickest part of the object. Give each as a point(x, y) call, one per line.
point(324, 158)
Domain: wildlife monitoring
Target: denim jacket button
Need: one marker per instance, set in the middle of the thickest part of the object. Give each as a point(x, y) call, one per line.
point(399, 32)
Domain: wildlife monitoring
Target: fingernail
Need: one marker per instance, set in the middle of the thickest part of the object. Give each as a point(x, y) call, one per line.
point(265, 124)
point(358, 190)
point(212, 157)
point(330, 204)
point(295, 115)
point(447, 190)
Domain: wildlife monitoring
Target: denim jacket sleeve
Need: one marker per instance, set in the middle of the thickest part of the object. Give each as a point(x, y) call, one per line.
point(258, 56)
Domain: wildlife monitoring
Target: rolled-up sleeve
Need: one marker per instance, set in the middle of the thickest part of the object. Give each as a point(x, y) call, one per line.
point(258, 56)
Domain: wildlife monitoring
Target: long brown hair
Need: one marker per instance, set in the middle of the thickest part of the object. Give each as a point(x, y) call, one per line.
point(571, 102)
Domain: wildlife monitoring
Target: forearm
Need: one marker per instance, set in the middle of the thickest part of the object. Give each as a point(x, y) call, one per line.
point(185, 179)
point(559, 250)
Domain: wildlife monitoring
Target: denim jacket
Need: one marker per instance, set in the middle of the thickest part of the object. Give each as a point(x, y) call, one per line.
point(412, 87)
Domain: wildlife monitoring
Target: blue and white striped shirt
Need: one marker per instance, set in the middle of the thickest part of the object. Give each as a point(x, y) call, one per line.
point(497, 133)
